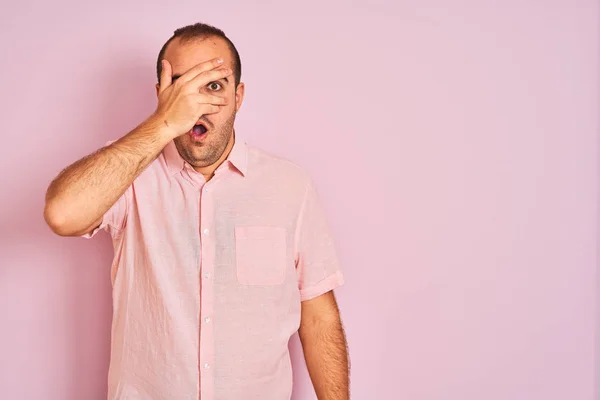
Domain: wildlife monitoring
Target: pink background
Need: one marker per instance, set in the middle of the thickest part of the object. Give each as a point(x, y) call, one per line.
point(454, 144)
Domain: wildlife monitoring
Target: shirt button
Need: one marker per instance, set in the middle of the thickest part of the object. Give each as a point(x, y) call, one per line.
point(206, 366)
point(207, 275)
point(206, 231)
point(207, 320)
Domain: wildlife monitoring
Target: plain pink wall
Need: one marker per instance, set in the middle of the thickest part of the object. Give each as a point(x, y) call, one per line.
point(454, 144)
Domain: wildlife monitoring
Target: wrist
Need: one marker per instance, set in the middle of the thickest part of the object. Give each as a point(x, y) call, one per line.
point(158, 124)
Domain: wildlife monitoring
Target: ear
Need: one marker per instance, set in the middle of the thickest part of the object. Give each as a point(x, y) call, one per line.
point(239, 96)
point(157, 89)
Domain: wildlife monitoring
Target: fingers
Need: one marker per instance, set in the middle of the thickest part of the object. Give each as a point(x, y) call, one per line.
point(209, 76)
point(210, 99)
point(165, 76)
point(209, 109)
point(200, 68)
point(210, 104)
point(206, 103)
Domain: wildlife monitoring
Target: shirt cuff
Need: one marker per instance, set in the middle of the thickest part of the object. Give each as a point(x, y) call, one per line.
point(324, 286)
point(91, 234)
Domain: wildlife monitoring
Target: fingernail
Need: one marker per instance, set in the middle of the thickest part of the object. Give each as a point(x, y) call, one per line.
point(220, 61)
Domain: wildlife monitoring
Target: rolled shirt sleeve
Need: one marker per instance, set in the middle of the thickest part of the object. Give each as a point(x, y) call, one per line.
point(317, 262)
point(113, 220)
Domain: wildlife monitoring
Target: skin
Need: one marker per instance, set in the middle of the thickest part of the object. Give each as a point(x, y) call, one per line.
point(83, 192)
point(207, 155)
point(325, 348)
point(192, 88)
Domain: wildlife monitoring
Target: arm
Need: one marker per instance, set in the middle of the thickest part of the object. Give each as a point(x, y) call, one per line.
point(325, 349)
point(82, 193)
point(79, 196)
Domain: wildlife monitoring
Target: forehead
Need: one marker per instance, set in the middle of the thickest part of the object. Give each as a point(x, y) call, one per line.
point(183, 55)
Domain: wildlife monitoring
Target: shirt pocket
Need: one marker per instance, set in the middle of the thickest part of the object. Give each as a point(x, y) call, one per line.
point(260, 255)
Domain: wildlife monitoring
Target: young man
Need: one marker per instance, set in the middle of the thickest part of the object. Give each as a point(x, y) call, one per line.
point(222, 251)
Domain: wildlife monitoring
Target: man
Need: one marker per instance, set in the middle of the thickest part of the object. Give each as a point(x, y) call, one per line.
point(222, 251)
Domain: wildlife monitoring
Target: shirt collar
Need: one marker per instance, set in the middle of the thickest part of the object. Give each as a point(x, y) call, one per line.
point(238, 157)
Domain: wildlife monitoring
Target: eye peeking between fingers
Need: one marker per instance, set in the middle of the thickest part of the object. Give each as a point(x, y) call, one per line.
point(215, 86)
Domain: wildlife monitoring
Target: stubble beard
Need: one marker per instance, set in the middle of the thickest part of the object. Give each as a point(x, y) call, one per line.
point(209, 151)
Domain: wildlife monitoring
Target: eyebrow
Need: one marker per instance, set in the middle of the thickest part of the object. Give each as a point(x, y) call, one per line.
point(175, 77)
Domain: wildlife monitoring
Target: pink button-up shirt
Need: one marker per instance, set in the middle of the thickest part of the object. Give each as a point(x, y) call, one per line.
point(208, 277)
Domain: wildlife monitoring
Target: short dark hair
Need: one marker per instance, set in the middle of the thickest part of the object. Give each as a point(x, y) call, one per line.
point(201, 31)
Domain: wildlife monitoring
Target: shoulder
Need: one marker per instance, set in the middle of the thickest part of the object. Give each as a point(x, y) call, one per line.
point(267, 165)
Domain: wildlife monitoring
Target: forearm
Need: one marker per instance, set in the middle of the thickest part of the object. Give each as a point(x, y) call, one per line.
point(326, 355)
point(84, 191)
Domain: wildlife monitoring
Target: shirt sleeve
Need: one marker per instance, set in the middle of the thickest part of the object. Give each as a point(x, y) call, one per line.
point(316, 257)
point(113, 220)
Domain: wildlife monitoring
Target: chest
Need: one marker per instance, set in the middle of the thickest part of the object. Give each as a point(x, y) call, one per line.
point(245, 226)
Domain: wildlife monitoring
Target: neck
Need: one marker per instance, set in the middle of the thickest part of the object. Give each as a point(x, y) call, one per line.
point(209, 171)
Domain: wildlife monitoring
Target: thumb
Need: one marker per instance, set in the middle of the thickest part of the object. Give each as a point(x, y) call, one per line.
point(165, 75)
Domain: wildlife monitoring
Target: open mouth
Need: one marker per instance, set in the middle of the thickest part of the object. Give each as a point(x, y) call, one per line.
point(199, 129)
